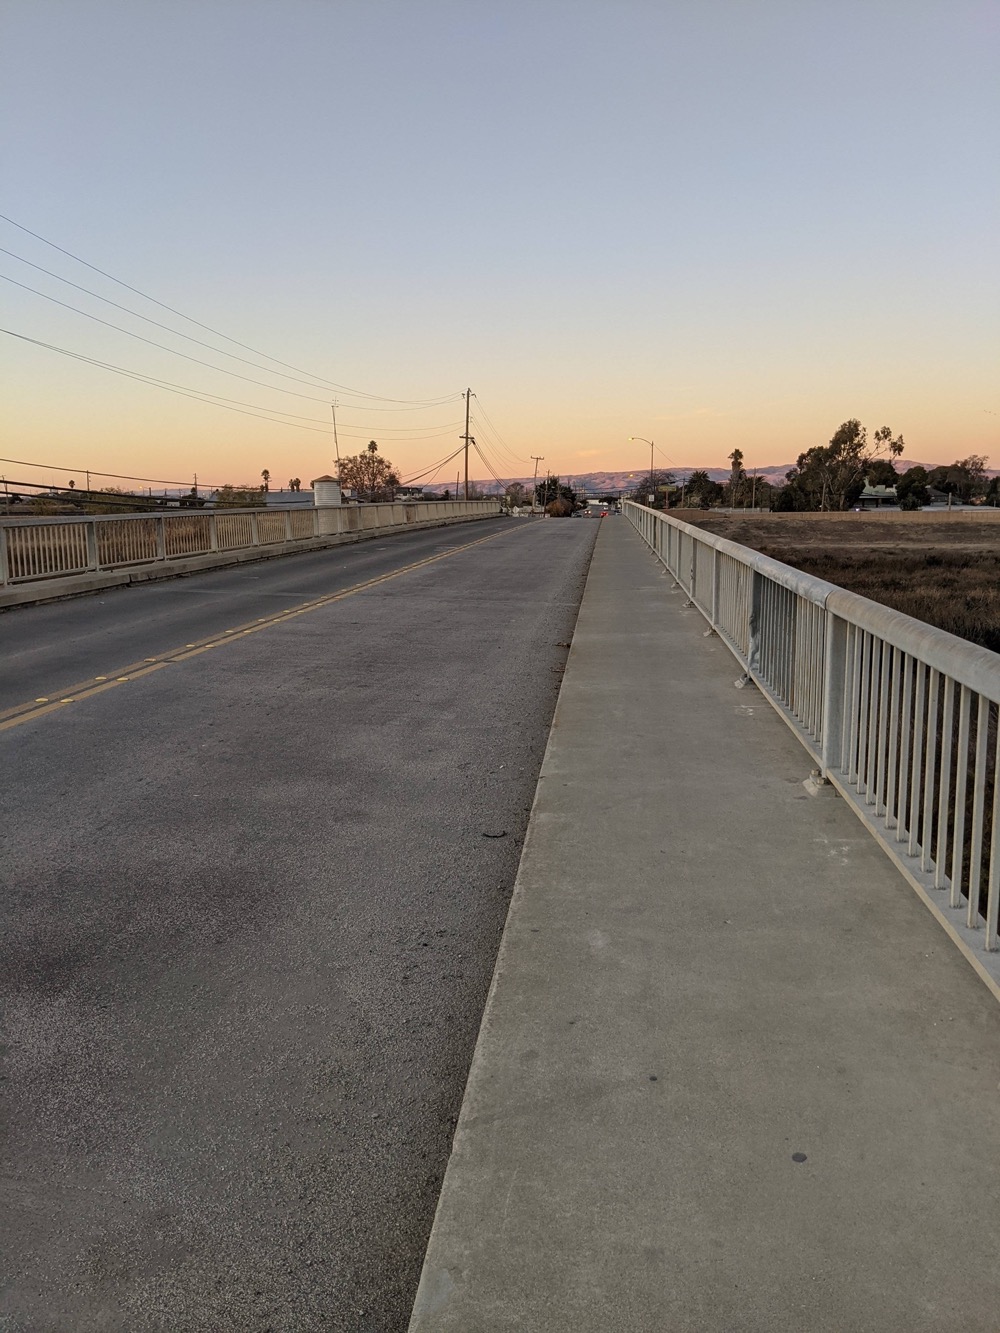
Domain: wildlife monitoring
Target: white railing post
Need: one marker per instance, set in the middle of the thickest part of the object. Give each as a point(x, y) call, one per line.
point(4, 570)
point(254, 530)
point(92, 551)
point(288, 525)
point(834, 681)
point(213, 533)
point(161, 537)
point(756, 619)
point(693, 574)
point(714, 622)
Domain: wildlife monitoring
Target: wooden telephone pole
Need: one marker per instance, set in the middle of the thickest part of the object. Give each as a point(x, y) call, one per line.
point(467, 437)
point(539, 458)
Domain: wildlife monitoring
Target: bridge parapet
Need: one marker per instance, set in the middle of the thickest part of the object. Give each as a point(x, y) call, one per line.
point(77, 553)
point(900, 717)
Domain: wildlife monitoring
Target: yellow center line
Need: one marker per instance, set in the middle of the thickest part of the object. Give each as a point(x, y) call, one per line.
point(39, 707)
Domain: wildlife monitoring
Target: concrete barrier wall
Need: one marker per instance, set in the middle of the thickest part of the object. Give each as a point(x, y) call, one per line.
point(43, 559)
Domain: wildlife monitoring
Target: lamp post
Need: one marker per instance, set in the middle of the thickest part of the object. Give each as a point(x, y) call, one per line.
point(642, 439)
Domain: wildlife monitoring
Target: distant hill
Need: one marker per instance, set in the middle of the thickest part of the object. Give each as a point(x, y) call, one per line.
point(596, 483)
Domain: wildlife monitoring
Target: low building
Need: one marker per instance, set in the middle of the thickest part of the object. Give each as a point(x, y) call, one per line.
point(878, 497)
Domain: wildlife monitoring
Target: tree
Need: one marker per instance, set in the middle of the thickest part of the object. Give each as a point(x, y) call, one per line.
point(737, 477)
point(265, 477)
point(832, 476)
point(550, 489)
point(649, 485)
point(516, 493)
point(701, 491)
point(368, 474)
point(965, 478)
point(881, 473)
point(238, 497)
point(911, 489)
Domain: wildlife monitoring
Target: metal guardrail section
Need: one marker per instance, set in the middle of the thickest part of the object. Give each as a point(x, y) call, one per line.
point(901, 717)
point(36, 549)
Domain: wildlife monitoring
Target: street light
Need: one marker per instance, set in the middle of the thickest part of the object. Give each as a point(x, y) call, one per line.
point(643, 440)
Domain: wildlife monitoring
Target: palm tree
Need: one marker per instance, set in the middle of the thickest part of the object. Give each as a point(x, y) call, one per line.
point(265, 477)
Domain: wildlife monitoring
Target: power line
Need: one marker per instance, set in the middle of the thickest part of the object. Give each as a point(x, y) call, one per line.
point(135, 313)
point(497, 463)
point(432, 471)
point(222, 370)
point(70, 495)
point(200, 342)
point(217, 400)
point(499, 438)
point(116, 476)
point(509, 459)
point(489, 469)
point(359, 393)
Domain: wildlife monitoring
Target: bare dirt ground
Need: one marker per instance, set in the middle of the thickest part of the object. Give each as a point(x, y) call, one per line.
point(944, 570)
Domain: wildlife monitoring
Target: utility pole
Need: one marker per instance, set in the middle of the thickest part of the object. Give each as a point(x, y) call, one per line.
point(336, 442)
point(539, 458)
point(466, 437)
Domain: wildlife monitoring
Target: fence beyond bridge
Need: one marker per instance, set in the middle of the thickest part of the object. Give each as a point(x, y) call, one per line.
point(899, 716)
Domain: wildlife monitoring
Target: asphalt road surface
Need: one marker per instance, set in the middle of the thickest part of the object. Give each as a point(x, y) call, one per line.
point(253, 885)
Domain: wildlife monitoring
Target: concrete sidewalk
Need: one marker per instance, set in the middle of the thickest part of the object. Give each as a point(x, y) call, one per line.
point(731, 1075)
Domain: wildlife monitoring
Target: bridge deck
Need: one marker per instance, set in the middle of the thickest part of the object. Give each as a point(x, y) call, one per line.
point(732, 1076)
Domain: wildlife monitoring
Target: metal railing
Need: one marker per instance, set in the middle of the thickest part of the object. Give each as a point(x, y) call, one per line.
point(47, 548)
point(900, 717)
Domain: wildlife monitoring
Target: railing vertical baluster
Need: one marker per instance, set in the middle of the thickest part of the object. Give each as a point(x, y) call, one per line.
point(916, 769)
point(930, 770)
point(993, 883)
point(873, 728)
point(852, 752)
point(978, 802)
point(885, 669)
point(961, 785)
point(863, 701)
point(905, 732)
point(944, 785)
point(892, 762)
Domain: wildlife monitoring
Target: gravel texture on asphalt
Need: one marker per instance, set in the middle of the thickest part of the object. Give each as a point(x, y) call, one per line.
point(251, 904)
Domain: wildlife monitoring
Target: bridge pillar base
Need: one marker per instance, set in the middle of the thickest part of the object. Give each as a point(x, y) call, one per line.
point(817, 785)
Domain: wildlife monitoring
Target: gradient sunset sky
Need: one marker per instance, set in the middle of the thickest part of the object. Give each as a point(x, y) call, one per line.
point(714, 223)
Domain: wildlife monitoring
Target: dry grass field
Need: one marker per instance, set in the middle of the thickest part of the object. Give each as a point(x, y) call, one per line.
point(941, 569)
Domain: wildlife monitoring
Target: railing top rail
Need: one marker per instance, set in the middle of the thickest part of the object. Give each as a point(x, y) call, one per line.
point(806, 585)
point(11, 520)
point(962, 661)
point(967, 663)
